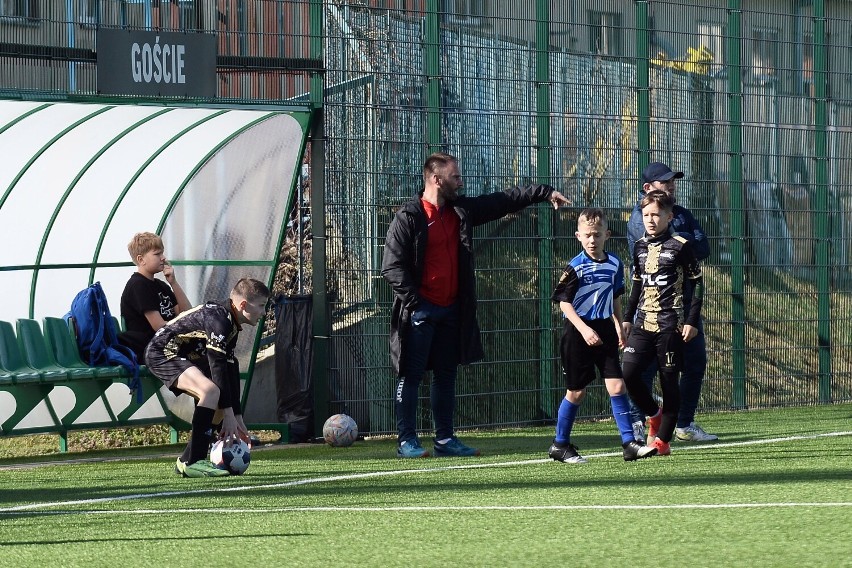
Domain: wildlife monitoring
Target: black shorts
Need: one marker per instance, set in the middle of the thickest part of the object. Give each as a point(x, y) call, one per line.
point(169, 369)
point(643, 346)
point(580, 360)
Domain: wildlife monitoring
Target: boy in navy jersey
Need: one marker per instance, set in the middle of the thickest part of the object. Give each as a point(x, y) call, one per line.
point(659, 176)
point(194, 354)
point(663, 266)
point(591, 337)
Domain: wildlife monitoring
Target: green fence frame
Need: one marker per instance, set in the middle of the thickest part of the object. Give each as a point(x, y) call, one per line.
point(527, 92)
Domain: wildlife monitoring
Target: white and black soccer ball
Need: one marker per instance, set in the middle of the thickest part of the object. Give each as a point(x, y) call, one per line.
point(340, 430)
point(233, 455)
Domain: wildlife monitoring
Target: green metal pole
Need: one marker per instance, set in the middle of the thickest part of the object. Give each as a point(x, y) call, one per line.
point(643, 85)
point(432, 68)
point(545, 217)
point(737, 204)
point(821, 206)
point(320, 316)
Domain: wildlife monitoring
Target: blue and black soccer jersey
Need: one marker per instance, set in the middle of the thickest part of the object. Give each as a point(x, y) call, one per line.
point(663, 267)
point(591, 285)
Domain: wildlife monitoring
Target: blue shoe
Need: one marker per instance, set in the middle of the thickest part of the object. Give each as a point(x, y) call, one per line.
point(454, 448)
point(411, 449)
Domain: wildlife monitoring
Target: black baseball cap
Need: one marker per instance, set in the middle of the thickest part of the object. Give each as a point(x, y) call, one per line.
point(658, 171)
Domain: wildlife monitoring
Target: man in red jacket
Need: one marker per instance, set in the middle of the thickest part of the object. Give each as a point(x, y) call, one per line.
point(429, 264)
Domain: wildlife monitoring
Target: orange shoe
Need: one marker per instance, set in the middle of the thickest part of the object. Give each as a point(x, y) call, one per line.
point(654, 425)
point(663, 448)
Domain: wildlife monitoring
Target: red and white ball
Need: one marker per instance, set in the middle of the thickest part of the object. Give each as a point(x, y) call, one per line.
point(340, 430)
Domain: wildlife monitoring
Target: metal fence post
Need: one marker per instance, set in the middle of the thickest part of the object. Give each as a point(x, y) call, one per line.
point(320, 320)
point(643, 89)
point(545, 217)
point(823, 230)
point(432, 68)
point(737, 203)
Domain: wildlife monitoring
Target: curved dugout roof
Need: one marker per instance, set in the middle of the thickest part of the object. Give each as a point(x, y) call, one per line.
point(78, 180)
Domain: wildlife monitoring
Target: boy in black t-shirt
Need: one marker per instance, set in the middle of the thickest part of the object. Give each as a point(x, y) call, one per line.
point(147, 303)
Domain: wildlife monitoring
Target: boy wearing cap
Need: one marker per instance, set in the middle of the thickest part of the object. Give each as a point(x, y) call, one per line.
point(659, 176)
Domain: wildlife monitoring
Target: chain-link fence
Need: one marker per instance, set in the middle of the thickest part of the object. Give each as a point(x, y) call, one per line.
point(764, 322)
point(750, 99)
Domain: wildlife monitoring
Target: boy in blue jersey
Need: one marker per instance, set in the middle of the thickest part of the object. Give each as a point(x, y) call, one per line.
point(591, 337)
point(665, 272)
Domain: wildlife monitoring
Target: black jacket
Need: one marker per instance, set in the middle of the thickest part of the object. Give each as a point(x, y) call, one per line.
point(405, 250)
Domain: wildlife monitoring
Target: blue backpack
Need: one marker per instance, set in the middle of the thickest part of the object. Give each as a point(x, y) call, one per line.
point(97, 338)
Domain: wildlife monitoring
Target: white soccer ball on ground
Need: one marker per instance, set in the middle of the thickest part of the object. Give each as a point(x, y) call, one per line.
point(340, 430)
point(233, 455)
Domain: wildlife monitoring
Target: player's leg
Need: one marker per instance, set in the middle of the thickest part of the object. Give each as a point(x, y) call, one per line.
point(578, 370)
point(638, 354)
point(196, 384)
point(177, 373)
point(637, 417)
point(620, 403)
point(415, 357)
point(609, 367)
point(691, 380)
point(633, 448)
point(606, 361)
point(669, 358)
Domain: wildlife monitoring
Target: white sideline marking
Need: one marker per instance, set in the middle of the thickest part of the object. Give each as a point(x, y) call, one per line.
point(421, 508)
point(309, 481)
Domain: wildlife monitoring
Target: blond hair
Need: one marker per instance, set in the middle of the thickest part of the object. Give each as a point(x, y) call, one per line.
point(143, 243)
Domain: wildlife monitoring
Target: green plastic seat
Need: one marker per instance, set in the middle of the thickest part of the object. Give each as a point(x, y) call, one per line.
point(63, 347)
point(6, 378)
point(11, 359)
point(22, 382)
point(83, 380)
point(36, 354)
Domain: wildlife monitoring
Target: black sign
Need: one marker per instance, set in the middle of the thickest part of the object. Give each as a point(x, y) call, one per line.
point(156, 63)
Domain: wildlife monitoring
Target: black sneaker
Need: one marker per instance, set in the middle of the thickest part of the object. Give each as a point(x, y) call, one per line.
point(634, 450)
point(565, 453)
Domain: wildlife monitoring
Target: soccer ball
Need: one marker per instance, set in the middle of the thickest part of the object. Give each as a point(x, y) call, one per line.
point(340, 430)
point(233, 455)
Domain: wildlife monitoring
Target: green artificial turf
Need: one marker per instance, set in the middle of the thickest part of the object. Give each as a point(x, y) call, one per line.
point(776, 490)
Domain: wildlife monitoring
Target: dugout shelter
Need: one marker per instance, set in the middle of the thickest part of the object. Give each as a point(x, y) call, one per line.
point(96, 150)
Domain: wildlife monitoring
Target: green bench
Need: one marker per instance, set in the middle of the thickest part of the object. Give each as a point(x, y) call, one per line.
point(36, 368)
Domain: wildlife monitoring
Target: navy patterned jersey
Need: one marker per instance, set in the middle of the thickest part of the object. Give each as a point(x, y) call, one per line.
point(663, 266)
point(591, 285)
point(204, 335)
